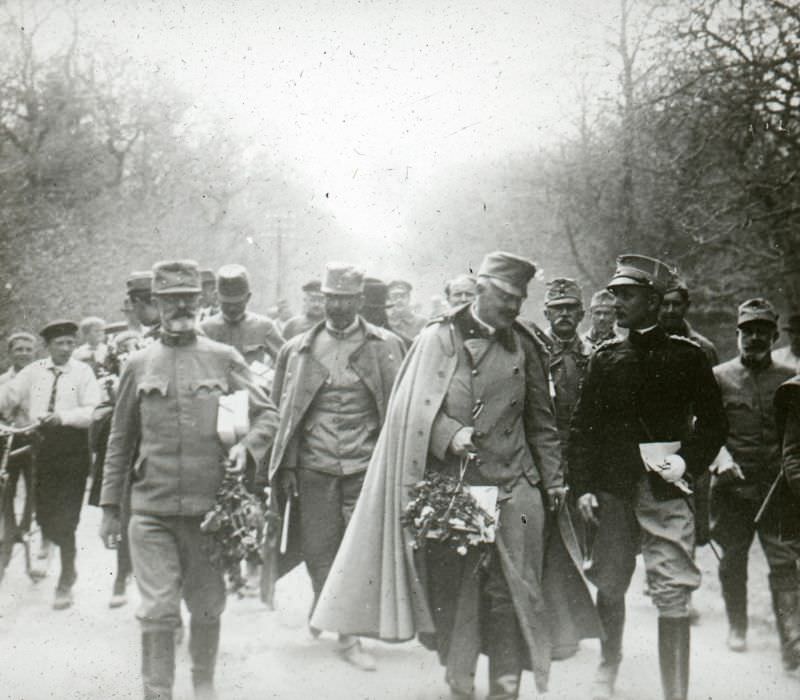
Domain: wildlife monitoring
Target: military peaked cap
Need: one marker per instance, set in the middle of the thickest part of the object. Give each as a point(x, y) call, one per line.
point(757, 309)
point(176, 277)
point(342, 279)
point(233, 283)
point(57, 329)
point(642, 271)
point(563, 290)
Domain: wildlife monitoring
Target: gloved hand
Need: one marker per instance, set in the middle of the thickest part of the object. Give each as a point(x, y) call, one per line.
point(461, 443)
point(587, 507)
point(672, 468)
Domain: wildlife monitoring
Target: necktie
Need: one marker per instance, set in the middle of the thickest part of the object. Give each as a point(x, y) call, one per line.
point(51, 404)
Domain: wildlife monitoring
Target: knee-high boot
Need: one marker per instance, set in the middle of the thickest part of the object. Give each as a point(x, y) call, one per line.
point(203, 645)
point(786, 605)
point(158, 663)
point(673, 656)
point(612, 616)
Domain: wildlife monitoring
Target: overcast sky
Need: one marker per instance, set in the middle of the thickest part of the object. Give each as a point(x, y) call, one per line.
point(370, 100)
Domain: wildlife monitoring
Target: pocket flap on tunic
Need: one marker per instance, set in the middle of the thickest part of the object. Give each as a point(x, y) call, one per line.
point(209, 385)
point(153, 385)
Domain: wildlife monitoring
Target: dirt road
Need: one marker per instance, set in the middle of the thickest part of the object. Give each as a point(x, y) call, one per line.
point(91, 653)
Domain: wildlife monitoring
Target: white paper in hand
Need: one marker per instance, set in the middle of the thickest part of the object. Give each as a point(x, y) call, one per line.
point(233, 417)
point(655, 454)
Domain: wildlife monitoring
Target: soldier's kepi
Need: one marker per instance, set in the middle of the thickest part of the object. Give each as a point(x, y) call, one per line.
point(632, 438)
point(165, 426)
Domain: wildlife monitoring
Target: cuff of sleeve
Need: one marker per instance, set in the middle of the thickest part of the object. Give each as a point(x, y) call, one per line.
point(442, 435)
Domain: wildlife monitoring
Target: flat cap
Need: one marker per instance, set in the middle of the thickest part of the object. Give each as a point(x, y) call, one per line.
point(563, 290)
point(57, 329)
point(400, 284)
point(20, 335)
point(677, 284)
point(233, 283)
point(509, 272)
point(115, 327)
point(757, 309)
point(376, 293)
point(792, 323)
point(207, 276)
point(312, 286)
point(642, 271)
point(602, 298)
point(176, 277)
point(139, 281)
point(342, 279)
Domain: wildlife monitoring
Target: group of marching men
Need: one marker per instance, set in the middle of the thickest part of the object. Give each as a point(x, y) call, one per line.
point(595, 447)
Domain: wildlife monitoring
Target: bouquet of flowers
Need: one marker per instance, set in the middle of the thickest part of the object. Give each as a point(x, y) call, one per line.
point(236, 527)
point(442, 508)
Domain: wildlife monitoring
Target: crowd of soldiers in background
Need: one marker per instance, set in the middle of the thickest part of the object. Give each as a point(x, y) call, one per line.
point(726, 500)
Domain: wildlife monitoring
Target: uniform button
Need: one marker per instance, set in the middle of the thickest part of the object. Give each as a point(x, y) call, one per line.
point(427, 402)
point(474, 372)
point(479, 434)
point(516, 370)
point(440, 374)
point(514, 402)
point(507, 431)
point(420, 433)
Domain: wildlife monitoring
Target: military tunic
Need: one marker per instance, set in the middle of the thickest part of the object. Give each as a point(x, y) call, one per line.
point(254, 336)
point(167, 409)
point(645, 388)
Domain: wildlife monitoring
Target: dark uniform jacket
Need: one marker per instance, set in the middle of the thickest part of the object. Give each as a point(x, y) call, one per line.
point(252, 336)
point(644, 388)
point(784, 500)
point(299, 377)
point(705, 344)
point(167, 409)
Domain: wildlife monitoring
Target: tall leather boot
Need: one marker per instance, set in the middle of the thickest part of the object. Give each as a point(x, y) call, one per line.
point(786, 606)
point(673, 656)
point(158, 663)
point(505, 650)
point(203, 645)
point(612, 617)
point(735, 597)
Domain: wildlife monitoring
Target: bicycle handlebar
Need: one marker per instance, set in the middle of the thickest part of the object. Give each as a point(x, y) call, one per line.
point(6, 430)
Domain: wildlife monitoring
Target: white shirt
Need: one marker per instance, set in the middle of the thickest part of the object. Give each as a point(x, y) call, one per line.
point(77, 394)
point(88, 354)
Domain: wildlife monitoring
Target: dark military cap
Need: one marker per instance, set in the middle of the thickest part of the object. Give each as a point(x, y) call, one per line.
point(312, 286)
point(509, 272)
point(176, 277)
point(642, 271)
point(207, 276)
point(400, 284)
point(342, 279)
point(233, 283)
point(140, 281)
point(376, 293)
point(757, 309)
point(601, 299)
point(57, 329)
point(563, 290)
point(793, 323)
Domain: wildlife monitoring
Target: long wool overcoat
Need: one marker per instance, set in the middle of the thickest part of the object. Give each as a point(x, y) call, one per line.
point(377, 585)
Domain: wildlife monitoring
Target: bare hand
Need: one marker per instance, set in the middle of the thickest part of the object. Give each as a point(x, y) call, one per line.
point(462, 443)
point(50, 420)
point(237, 458)
point(287, 482)
point(110, 528)
point(556, 496)
point(587, 507)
